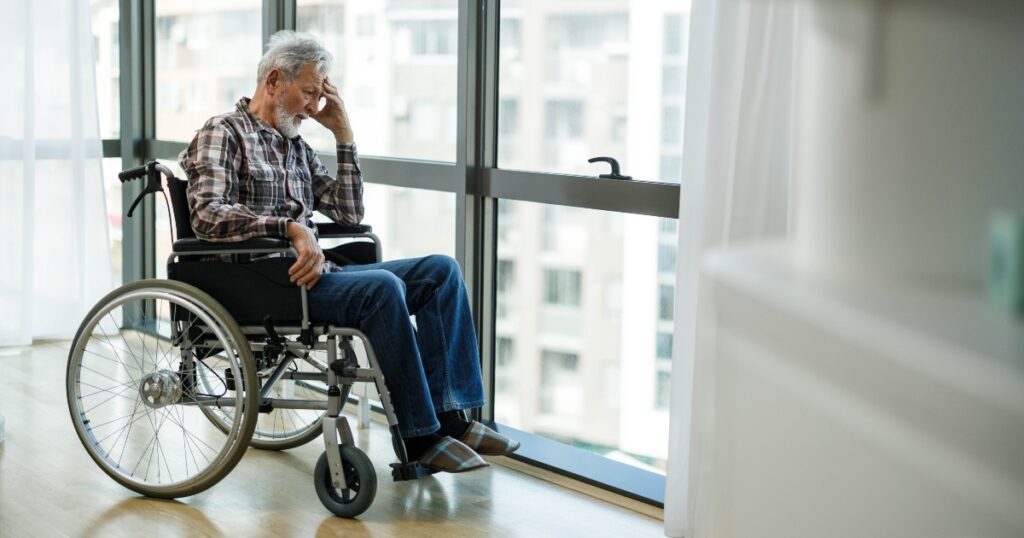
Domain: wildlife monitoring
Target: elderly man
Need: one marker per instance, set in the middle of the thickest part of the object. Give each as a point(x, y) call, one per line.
point(251, 175)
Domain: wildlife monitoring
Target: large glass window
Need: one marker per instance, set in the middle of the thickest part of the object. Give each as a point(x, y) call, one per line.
point(571, 73)
point(590, 327)
point(395, 66)
point(106, 43)
point(411, 222)
point(206, 58)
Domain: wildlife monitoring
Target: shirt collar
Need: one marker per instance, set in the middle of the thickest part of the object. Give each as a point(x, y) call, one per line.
point(249, 121)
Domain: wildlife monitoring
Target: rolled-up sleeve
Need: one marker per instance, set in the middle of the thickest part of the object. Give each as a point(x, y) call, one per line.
point(212, 163)
point(339, 198)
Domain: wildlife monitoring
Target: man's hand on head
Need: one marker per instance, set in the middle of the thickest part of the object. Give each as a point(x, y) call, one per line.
point(333, 115)
point(308, 267)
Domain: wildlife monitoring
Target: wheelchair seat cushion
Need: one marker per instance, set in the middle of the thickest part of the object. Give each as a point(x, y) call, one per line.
point(249, 291)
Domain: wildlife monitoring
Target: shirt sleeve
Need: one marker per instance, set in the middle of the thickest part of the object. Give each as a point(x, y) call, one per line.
point(211, 163)
point(339, 198)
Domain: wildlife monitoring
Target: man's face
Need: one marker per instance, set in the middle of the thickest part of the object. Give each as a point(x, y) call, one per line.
point(298, 100)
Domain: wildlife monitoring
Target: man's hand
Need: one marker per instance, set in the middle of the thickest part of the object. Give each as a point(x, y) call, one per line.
point(333, 115)
point(307, 269)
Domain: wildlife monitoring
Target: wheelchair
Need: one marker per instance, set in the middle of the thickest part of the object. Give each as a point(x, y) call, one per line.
point(169, 381)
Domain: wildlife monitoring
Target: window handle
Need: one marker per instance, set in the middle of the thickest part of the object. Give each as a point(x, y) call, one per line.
point(615, 168)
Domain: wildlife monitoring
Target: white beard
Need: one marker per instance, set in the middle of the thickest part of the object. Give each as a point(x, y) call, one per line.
point(286, 124)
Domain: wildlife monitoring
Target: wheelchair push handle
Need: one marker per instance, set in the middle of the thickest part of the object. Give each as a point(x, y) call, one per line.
point(152, 171)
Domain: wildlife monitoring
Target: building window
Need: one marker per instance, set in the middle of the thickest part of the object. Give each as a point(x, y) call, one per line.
point(564, 120)
point(504, 353)
point(666, 300)
point(562, 287)
point(673, 44)
point(434, 38)
point(662, 389)
point(560, 390)
point(506, 277)
point(664, 346)
point(508, 116)
point(672, 125)
point(364, 26)
point(667, 259)
point(671, 168)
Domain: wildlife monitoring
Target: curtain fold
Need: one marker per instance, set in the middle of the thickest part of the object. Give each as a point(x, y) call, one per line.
point(55, 245)
point(736, 188)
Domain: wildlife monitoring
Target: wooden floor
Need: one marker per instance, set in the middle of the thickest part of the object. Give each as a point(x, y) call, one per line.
point(50, 487)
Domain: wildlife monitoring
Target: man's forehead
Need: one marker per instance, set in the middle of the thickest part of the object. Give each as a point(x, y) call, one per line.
point(310, 75)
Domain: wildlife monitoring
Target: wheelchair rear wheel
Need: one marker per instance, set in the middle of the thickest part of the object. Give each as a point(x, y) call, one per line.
point(360, 486)
point(280, 428)
point(132, 391)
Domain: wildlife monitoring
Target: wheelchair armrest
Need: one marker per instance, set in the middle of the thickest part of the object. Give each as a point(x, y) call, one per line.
point(330, 229)
point(256, 244)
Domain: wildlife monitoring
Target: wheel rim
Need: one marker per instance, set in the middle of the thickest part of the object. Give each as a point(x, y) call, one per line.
point(132, 391)
point(347, 494)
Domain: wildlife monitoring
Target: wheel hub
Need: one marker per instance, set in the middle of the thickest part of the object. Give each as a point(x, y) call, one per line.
point(160, 388)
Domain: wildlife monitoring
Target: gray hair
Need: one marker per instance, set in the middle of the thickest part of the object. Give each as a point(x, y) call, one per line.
point(289, 51)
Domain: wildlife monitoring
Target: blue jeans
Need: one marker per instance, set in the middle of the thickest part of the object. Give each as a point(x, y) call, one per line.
point(431, 368)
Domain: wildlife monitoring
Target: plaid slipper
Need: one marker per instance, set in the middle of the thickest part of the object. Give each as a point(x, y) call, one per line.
point(487, 441)
point(451, 456)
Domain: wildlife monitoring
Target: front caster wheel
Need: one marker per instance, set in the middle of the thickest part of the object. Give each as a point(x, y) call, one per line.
point(356, 495)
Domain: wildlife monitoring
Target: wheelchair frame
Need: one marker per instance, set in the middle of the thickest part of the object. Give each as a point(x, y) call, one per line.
point(164, 388)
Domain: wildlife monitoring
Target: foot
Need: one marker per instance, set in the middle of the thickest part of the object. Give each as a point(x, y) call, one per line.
point(488, 442)
point(451, 456)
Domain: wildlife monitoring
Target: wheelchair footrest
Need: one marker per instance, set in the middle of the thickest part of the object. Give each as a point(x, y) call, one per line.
point(409, 471)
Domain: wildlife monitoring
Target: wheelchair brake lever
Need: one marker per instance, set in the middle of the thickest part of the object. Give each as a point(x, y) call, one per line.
point(271, 332)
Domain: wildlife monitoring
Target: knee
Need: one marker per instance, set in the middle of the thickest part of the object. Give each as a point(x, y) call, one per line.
point(384, 285)
point(444, 266)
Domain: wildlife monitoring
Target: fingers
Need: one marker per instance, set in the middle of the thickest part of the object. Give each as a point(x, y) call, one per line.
point(309, 264)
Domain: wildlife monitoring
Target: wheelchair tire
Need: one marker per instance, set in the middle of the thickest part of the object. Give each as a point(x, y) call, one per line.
point(131, 388)
point(360, 477)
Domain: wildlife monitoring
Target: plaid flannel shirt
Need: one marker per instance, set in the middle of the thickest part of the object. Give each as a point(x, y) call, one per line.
point(246, 180)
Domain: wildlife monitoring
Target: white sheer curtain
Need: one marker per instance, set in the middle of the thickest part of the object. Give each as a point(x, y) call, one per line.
point(735, 188)
point(54, 248)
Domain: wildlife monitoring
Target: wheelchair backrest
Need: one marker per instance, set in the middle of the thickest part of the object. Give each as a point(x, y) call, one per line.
point(177, 188)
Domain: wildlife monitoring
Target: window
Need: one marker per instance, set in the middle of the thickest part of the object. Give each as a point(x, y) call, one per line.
point(673, 35)
point(206, 58)
point(576, 71)
point(395, 65)
point(433, 38)
point(556, 313)
point(664, 346)
point(667, 259)
point(560, 390)
point(671, 168)
point(562, 287)
point(508, 116)
point(364, 26)
point(506, 274)
point(564, 120)
point(671, 125)
point(411, 222)
point(662, 389)
point(666, 299)
point(673, 80)
point(504, 353)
